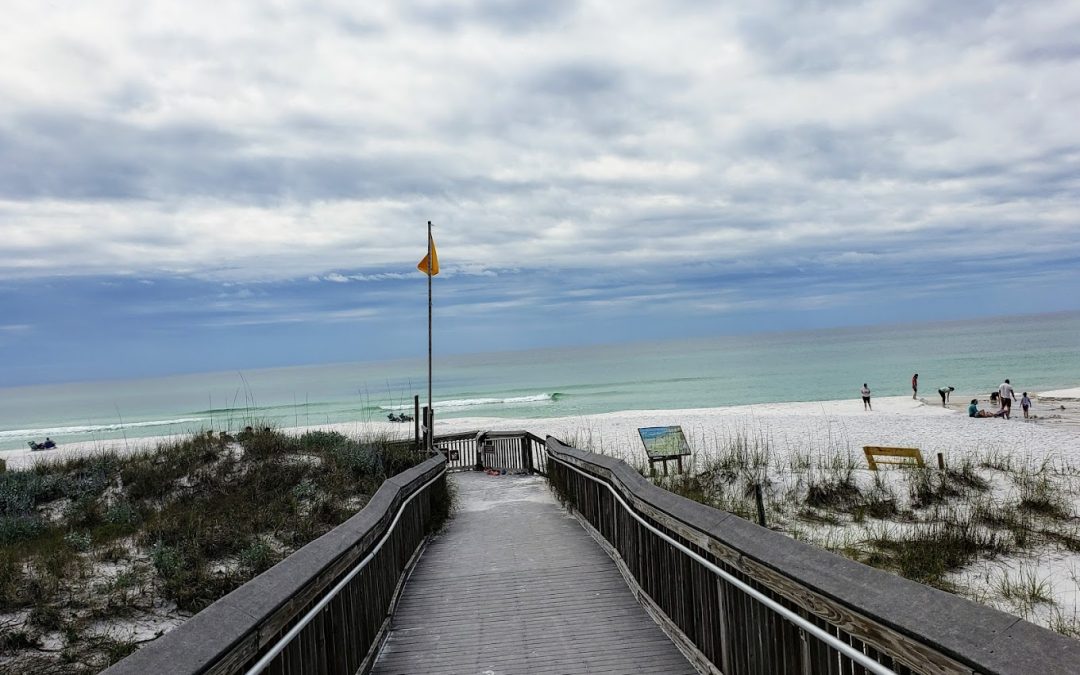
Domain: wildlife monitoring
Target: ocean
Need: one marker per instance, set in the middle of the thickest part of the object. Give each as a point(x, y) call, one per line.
point(1038, 352)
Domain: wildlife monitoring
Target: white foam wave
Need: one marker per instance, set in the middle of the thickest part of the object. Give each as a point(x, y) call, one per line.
point(1073, 393)
point(469, 402)
point(91, 428)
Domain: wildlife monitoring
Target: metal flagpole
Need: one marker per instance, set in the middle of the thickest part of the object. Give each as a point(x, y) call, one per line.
point(431, 409)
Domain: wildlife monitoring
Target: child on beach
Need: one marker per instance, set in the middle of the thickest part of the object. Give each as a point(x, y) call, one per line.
point(1025, 403)
point(865, 391)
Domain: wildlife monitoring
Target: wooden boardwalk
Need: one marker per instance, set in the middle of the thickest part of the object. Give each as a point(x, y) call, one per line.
point(514, 585)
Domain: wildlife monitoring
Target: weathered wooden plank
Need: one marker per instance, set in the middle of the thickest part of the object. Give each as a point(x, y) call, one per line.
point(905, 456)
point(515, 586)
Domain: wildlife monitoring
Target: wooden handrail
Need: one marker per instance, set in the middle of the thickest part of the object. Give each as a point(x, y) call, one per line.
point(464, 450)
point(905, 626)
point(231, 634)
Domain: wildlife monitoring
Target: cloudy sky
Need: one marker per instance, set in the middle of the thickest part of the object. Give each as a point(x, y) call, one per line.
point(192, 186)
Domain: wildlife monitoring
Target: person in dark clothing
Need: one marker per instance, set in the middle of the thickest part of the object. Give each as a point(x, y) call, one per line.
point(914, 385)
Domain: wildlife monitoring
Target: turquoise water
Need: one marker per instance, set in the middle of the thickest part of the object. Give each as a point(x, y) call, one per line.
point(1038, 352)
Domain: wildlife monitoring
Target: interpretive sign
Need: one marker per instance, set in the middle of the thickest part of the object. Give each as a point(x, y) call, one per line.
point(661, 442)
point(664, 443)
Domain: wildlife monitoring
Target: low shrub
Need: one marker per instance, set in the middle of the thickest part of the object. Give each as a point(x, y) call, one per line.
point(46, 617)
point(85, 511)
point(357, 460)
point(14, 529)
point(11, 641)
point(122, 513)
point(114, 650)
point(11, 578)
point(1026, 588)
point(966, 476)
point(21, 491)
point(444, 501)
point(167, 560)
point(305, 490)
point(928, 487)
point(936, 549)
point(835, 492)
point(1040, 495)
point(322, 441)
point(267, 443)
point(257, 557)
point(78, 541)
point(153, 475)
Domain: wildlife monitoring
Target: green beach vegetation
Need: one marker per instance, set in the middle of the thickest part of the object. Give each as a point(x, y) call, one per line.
point(100, 553)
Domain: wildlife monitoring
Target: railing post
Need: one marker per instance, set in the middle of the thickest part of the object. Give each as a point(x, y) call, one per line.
point(526, 454)
point(416, 423)
point(478, 465)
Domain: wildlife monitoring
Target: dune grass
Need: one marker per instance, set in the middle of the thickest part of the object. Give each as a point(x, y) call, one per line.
point(91, 545)
point(929, 525)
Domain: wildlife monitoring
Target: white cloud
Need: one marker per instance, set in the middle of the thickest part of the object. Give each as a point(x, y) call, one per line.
point(243, 142)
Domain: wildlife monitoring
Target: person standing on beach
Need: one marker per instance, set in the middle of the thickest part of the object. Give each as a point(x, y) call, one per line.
point(1006, 395)
point(944, 394)
point(865, 391)
point(1025, 403)
point(914, 385)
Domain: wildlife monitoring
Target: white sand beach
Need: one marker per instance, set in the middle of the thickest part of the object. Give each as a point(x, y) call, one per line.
point(895, 421)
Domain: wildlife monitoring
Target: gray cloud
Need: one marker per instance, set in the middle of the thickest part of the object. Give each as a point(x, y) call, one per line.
point(512, 16)
point(287, 143)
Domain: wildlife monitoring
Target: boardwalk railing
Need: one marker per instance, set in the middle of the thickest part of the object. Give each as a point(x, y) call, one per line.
point(325, 608)
point(739, 598)
point(510, 451)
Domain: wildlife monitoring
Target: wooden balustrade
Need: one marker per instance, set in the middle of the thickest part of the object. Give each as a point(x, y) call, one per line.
point(342, 637)
point(703, 589)
point(510, 451)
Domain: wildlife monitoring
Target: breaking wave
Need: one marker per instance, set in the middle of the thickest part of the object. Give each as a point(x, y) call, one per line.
point(469, 402)
point(91, 428)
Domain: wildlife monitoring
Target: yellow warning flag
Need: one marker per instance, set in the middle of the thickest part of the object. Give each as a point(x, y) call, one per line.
point(423, 265)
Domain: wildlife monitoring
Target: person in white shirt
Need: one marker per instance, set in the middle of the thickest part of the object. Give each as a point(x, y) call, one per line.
point(865, 391)
point(944, 394)
point(1006, 395)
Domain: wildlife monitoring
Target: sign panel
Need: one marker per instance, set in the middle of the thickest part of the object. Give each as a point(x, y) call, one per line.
point(663, 442)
